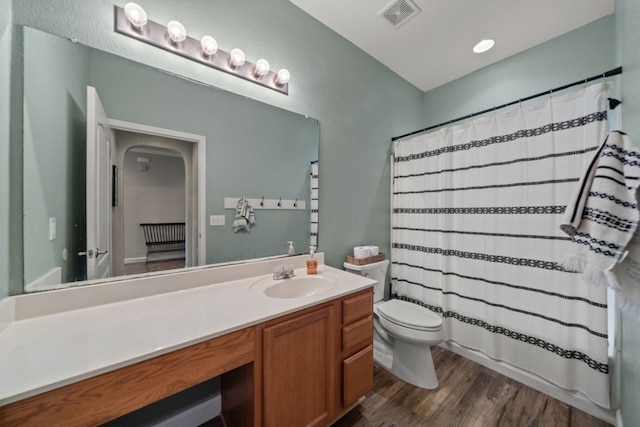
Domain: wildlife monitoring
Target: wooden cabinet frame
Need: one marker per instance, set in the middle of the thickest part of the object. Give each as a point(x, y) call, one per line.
point(239, 358)
point(108, 396)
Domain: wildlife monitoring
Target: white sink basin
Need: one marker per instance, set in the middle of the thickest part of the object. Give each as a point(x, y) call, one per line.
point(294, 287)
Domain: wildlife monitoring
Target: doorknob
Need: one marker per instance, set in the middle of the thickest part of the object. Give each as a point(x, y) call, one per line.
point(91, 252)
point(88, 253)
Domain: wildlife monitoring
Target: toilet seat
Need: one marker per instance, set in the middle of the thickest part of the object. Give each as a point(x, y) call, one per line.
point(408, 315)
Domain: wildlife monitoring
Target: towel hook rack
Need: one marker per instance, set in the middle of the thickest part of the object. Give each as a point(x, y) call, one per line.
point(281, 203)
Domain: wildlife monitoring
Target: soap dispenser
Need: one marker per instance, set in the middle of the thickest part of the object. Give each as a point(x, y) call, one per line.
point(291, 251)
point(312, 263)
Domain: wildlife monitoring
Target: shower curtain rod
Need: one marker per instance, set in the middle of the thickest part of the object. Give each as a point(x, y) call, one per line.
point(609, 73)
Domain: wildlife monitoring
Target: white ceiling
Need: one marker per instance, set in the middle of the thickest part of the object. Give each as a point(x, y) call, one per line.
point(434, 47)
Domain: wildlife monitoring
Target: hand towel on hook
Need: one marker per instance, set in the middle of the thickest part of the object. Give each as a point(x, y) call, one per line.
point(244, 215)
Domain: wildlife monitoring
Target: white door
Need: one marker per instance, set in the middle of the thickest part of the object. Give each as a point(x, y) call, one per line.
point(99, 173)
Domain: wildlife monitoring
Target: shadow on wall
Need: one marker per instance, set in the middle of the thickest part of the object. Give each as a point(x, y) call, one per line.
point(75, 268)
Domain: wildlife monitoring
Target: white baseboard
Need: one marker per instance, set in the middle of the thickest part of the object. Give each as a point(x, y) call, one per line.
point(7, 312)
point(195, 415)
point(50, 280)
point(137, 260)
point(570, 398)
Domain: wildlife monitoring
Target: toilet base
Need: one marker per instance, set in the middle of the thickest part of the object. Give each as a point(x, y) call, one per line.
point(414, 365)
point(382, 355)
point(411, 363)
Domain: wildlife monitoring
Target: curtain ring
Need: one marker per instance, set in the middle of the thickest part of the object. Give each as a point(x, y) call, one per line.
point(295, 204)
point(262, 201)
point(280, 202)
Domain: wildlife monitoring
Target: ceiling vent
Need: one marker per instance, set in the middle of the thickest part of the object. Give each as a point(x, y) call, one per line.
point(399, 12)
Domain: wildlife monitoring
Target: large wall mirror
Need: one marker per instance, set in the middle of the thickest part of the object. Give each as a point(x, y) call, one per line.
point(162, 127)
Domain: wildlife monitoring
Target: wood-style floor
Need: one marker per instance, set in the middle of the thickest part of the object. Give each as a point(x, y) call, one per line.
point(147, 267)
point(469, 395)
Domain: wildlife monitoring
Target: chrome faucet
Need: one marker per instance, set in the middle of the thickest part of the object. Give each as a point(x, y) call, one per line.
point(283, 272)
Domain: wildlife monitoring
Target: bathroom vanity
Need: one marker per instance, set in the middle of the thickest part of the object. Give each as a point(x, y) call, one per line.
point(88, 355)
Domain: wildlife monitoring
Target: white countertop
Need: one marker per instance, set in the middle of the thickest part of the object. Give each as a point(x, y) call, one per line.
point(44, 352)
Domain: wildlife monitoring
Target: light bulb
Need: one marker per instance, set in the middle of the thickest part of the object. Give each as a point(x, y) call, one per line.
point(136, 15)
point(177, 32)
point(483, 46)
point(209, 45)
point(236, 58)
point(283, 77)
point(261, 68)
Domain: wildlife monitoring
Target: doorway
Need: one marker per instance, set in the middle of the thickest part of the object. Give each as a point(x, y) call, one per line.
point(150, 145)
point(154, 187)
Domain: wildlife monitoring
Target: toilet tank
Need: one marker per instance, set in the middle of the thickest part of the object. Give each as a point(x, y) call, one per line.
point(376, 271)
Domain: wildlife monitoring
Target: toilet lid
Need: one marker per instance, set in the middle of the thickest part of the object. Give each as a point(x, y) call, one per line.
point(410, 315)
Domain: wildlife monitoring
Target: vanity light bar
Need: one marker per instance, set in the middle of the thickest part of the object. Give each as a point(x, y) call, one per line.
point(156, 35)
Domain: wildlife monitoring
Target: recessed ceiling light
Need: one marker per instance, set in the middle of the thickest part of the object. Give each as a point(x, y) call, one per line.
point(483, 46)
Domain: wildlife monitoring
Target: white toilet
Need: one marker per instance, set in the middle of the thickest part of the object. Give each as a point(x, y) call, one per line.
point(403, 332)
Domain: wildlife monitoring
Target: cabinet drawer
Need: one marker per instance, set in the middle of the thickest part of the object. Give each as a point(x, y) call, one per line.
point(357, 307)
point(357, 335)
point(357, 377)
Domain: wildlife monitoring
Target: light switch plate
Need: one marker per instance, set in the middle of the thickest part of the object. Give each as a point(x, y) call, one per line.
point(52, 228)
point(216, 220)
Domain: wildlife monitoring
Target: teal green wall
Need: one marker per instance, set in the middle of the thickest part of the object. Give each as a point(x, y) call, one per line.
point(5, 83)
point(581, 53)
point(359, 103)
point(56, 73)
point(15, 241)
point(628, 31)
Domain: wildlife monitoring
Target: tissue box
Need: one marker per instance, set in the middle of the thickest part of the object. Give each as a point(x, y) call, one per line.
point(363, 261)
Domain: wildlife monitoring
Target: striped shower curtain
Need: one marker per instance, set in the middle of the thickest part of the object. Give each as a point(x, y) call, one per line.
point(313, 236)
point(476, 211)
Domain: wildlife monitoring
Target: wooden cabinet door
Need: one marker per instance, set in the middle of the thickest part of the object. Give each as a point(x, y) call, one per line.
point(299, 368)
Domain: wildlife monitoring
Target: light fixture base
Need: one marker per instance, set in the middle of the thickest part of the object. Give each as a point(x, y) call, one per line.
point(155, 35)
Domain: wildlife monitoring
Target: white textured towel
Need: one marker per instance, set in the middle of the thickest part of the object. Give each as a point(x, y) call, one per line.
point(244, 215)
point(603, 214)
point(625, 278)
